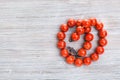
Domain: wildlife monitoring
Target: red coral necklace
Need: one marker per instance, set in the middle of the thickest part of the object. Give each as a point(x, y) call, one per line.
point(82, 27)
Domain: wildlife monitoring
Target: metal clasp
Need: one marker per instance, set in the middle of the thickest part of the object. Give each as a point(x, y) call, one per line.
point(72, 51)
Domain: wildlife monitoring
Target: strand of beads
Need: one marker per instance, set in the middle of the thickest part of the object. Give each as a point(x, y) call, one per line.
point(82, 27)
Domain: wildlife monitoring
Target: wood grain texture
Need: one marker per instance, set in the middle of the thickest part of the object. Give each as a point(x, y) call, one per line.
point(28, 39)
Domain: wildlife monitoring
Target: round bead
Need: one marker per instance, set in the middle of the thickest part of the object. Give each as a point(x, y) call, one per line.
point(61, 35)
point(86, 23)
point(80, 30)
point(102, 42)
point(79, 22)
point(82, 52)
point(64, 28)
point(87, 45)
point(87, 29)
point(93, 21)
point(102, 33)
point(61, 44)
point(89, 37)
point(71, 22)
point(70, 59)
point(75, 36)
point(100, 50)
point(64, 53)
point(99, 26)
point(78, 62)
point(87, 61)
point(94, 56)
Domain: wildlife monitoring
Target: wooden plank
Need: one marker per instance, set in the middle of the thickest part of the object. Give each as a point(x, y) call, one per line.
point(28, 39)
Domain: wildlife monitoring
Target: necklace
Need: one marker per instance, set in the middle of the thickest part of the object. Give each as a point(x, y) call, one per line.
point(78, 58)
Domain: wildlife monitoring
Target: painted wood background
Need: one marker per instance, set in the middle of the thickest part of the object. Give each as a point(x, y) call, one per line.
point(28, 39)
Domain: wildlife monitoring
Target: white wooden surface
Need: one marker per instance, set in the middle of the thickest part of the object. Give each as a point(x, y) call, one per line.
point(28, 39)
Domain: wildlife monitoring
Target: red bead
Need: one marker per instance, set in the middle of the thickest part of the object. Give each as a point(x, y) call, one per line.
point(61, 44)
point(100, 50)
point(102, 42)
point(87, 45)
point(64, 53)
point(86, 23)
point(87, 61)
point(61, 35)
point(70, 59)
point(82, 52)
point(80, 30)
point(102, 33)
point(78, 62)
point(64, 27)
point(93, 21)
point(79, 22)
point(87, 29)
point(89, 37)
point(99, 26)
point(94, 56)
point(71, 22)
point(75, 36)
